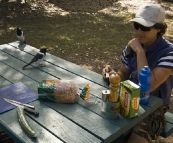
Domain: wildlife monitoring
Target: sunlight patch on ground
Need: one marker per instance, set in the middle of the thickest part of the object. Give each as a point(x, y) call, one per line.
point(64, 38)
point(12, 28)
point(125, 6)
point(50, 9)
point(87, 67)
point(133, 5)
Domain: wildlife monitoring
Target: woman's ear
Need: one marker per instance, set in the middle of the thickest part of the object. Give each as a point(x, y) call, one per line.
point(158, 30)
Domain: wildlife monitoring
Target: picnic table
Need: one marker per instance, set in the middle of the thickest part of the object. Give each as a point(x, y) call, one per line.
point(78, 122)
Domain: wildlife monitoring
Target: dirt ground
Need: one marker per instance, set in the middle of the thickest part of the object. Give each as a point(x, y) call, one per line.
point(111, 7)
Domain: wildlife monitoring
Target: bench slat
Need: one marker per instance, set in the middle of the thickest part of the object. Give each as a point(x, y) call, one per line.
point(168, 130)
point(169, 117)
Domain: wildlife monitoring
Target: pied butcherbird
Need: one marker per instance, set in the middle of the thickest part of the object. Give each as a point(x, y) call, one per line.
point(38, 58)
point(20, 35)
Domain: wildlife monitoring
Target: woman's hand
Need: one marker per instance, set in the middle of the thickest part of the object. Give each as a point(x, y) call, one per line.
point(135, 45)
point(107, 70)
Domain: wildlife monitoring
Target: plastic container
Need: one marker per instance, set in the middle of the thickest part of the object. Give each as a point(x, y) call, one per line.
point(144, 83)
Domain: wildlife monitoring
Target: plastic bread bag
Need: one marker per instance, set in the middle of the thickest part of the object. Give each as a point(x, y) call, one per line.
point(62, 91)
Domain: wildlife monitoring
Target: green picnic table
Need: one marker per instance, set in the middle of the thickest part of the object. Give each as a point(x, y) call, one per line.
point(78, 122)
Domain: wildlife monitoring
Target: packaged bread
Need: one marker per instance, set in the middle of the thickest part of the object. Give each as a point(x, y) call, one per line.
point(62, 91)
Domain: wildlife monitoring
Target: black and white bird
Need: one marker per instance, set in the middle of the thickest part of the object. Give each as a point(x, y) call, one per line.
point(20, 35)
point(38, 58)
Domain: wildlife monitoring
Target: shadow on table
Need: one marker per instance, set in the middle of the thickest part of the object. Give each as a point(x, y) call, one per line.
point(22, 46)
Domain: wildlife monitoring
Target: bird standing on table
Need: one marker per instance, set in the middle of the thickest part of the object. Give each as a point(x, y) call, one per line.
point(20, 35)
point(38, 58)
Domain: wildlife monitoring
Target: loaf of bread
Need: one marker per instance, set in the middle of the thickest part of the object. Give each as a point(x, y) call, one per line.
point(62, 91)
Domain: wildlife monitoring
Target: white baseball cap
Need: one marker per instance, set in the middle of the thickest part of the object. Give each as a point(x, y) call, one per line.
point(149, 14)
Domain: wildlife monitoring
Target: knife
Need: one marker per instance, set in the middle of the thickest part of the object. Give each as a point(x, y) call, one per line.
point(26, 107)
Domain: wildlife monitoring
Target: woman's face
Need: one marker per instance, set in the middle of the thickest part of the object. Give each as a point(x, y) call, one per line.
point(147, 38)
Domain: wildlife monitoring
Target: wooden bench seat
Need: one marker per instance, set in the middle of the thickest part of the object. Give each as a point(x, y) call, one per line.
point(168, 130)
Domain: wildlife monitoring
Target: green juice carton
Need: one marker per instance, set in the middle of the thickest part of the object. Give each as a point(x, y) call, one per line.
point(129, 95)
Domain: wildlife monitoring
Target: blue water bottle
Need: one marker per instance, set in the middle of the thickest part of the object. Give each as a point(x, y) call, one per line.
point(144, 83)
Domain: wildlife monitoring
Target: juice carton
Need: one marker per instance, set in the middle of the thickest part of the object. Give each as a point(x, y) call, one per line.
point(129, 98)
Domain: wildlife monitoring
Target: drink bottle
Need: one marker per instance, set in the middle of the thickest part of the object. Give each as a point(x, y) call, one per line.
point(144, 83)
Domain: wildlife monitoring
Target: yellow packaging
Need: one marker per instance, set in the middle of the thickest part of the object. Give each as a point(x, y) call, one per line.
point(129, 98)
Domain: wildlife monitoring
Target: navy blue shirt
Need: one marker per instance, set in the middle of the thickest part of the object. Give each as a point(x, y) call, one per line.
point(160, 54)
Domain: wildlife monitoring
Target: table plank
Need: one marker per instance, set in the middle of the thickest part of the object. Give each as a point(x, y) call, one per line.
point(143, 112)
point(15, 63)
point(10, 124)
point(88, 120)
point(50, 69)
point(121, 121)
point(23, 78)
point(52, 127)
point(14, 55)
point(154, 103)
point(126, 124)
point(76, 69)
point(4, 82)
point(14, 76)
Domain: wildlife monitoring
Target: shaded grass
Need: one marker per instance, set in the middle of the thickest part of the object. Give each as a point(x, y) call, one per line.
point(77, 37)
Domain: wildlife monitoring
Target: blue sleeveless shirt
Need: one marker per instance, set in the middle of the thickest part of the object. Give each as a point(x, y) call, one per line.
point(160, 47)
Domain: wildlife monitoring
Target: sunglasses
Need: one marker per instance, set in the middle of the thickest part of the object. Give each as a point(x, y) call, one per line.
point(143, 28)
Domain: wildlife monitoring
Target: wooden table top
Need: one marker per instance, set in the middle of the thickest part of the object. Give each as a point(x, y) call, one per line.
point(78, 122)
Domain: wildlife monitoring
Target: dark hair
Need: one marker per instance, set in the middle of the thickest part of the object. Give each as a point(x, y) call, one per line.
point(162, 27)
